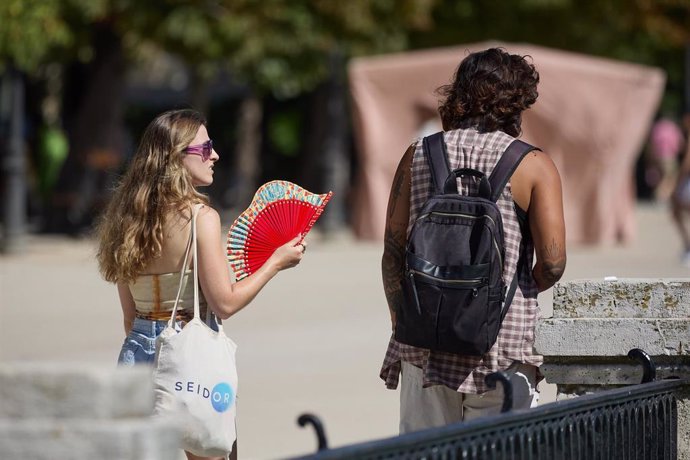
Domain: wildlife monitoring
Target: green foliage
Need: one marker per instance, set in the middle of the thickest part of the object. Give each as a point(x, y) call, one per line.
point(281, 46)
point(29, 29)
point(53, 149)
point(273, 45)
point(284, 132)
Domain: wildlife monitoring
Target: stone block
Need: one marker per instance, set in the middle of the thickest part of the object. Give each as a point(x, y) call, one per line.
point(612, 337)
point(82, 439)
point(622, 298)
point(597, 371)
point(593, 373)
point(52, 390)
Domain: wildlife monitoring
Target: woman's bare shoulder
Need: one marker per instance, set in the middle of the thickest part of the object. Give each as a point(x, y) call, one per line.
point(208, 219)
point(207, 213)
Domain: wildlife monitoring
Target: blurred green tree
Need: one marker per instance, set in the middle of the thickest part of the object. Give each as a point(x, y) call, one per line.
point(272, 46)
point(285, 48)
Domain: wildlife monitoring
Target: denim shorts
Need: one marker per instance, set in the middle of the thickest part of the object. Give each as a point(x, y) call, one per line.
point(139, 346)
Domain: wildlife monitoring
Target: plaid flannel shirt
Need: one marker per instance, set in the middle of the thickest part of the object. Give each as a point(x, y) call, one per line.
point(470, 149)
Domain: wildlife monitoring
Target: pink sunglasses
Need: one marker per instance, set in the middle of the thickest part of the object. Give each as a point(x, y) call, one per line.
point(205, 150)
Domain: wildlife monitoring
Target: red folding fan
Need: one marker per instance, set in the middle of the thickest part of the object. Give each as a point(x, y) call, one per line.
point(279, 211)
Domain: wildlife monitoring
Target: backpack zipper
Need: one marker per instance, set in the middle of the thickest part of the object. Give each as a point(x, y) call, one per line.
point(472, 282)
point(416, 296)
point(500, 257)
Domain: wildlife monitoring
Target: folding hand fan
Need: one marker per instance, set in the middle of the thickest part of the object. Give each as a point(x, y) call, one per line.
point(279, 211)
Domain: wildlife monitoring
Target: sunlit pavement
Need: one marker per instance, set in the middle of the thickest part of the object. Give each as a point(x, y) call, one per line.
point(312, 341)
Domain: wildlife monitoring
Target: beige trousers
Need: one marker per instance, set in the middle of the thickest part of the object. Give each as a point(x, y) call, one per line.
point(438, 405)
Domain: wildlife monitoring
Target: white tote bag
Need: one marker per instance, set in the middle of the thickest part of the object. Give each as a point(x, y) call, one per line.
point(195, 377)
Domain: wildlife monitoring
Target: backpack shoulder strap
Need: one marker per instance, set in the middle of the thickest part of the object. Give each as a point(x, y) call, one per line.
point(506, 166)
point(500, 176)
point(437, 157)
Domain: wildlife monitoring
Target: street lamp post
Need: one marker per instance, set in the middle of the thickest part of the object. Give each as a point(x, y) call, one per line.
point(13, 162)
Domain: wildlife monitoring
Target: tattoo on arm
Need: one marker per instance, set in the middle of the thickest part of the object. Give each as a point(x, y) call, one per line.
point(398, 182)
point(392, 267)
point(554, 251)
point(549, 270)
point(395, 236)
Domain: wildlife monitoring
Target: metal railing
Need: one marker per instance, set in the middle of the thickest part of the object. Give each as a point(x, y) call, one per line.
point(637, 422)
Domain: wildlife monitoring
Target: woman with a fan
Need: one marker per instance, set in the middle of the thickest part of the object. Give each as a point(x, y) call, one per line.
point(145, 241)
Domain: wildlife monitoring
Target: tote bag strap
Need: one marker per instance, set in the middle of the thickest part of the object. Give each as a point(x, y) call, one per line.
point(190, 244)
point(194, 262)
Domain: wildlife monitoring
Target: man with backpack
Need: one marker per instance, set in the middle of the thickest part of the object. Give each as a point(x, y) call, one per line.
point(468, 210)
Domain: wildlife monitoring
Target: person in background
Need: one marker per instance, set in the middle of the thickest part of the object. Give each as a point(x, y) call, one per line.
point(144, 232)
point(665, 144)
point(481, 116)
point(680, 198)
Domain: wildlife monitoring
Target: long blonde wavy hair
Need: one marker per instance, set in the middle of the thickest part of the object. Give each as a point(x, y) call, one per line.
point(130, 231)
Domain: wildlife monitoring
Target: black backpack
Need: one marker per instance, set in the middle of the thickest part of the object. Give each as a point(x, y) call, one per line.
point(454, 295)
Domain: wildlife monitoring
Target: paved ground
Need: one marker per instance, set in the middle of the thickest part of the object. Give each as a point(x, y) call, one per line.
point(312, 341)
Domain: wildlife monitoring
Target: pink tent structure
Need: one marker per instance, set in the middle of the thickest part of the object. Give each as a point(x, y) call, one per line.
point(592, 117)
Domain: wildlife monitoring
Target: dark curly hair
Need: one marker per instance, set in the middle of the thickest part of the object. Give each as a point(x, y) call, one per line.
point(490, 91)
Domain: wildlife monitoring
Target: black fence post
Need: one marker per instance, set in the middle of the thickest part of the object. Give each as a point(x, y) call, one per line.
point(639, 355)
point(315, 421)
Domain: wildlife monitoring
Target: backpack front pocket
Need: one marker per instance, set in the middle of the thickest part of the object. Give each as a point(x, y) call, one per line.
point(445, 314)
point(462, 319)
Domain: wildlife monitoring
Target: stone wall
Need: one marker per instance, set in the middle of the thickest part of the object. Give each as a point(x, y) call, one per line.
point(596, 323)
point(58, 411)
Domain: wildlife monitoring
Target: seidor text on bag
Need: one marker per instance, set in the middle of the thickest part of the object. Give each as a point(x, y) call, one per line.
point(455, 297)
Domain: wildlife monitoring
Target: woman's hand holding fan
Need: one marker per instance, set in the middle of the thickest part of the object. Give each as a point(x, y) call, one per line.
point(288, 255)
point(279, 212)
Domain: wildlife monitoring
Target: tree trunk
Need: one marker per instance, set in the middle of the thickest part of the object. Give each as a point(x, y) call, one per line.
point(247, 154)
point(327, 162)
point(96, 134)
point(336, 161)
point(198, 94)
